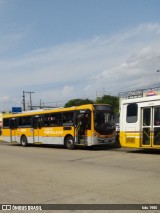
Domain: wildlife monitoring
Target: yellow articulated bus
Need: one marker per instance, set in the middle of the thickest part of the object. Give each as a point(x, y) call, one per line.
point(140, 119)
point(87, 125)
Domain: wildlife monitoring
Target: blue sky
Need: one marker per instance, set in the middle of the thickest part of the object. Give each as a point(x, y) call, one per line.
point(64, 49)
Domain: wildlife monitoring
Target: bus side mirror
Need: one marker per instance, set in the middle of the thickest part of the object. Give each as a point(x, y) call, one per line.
point(0, 132)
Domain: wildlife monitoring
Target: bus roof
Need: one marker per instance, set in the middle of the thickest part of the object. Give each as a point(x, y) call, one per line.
point(140, 95)
point(142, 99)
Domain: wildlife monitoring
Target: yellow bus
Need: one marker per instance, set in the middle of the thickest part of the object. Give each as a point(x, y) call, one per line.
point(87, 125)
point(140, 119)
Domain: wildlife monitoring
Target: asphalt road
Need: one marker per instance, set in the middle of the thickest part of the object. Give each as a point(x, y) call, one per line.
point(54, 175)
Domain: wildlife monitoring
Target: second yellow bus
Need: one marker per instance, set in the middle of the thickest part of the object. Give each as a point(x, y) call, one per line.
point(86, 125)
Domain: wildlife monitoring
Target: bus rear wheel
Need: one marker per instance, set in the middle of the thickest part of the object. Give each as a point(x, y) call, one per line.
point(69, 143)
point(24, 141)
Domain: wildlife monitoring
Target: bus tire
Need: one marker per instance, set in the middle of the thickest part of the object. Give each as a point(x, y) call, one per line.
point(69, 143)
point(24, 141)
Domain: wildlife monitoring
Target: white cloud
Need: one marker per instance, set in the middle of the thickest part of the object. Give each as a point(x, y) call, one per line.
point(120, 62)
point(67, 91)
point(5, 98)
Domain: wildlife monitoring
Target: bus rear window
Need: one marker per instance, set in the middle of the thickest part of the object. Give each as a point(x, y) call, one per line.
point(132, 110)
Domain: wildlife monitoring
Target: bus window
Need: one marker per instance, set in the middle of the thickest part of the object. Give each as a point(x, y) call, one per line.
point(132, 110)
point(13, 123)
point(56, 119)
point(157, 116)
point(20, 122)
point(46, 120)
point(5, 123)
point(26, 121)
point(146, 116)
point(68, 118)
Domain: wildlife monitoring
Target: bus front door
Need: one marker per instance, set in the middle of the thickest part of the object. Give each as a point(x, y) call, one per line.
point(37, 121)
point(146, 126)
point(83, 126)
point(151, 127)
point(156, 126)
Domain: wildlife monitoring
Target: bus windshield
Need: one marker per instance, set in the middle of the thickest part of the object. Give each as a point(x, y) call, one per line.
point(104, 122)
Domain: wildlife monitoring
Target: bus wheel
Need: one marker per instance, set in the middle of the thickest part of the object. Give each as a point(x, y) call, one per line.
point(24, 141)
point(69, 143)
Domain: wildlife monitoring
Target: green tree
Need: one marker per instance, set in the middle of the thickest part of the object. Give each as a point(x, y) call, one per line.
point(108, 99)
point(78, 102)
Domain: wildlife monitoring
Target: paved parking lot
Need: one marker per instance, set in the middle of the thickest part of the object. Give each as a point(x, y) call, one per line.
point(54, 175)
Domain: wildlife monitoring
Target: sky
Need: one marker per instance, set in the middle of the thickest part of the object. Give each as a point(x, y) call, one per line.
point(66, 49)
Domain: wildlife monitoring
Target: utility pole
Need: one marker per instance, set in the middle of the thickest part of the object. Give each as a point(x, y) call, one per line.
point(30, 93)
point(103, 90)
point(40, 104)
point(23, 101)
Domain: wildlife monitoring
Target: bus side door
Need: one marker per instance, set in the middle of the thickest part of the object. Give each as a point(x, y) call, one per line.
point(146, 127)
point(13, 129)
point(151, 126)
point(37, 124)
